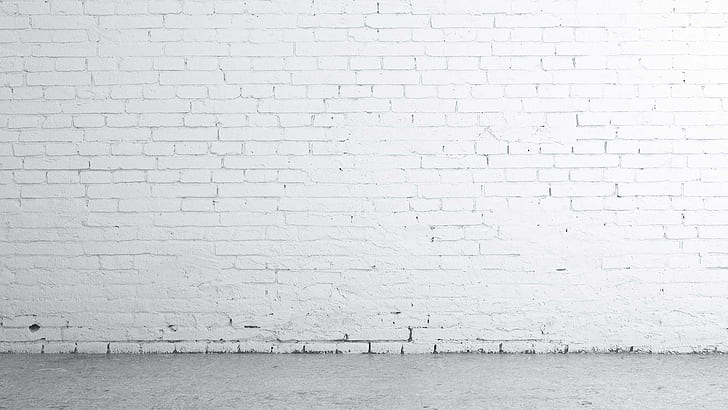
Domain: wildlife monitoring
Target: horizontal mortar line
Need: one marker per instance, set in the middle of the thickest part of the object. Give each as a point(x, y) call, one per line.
point(212, 341)
point(279, 341)
point(345, 341)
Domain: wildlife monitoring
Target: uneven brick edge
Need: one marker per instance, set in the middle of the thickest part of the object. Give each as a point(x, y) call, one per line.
point(335, 347)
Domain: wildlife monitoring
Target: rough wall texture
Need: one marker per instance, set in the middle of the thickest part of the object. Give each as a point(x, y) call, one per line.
point(363, 176)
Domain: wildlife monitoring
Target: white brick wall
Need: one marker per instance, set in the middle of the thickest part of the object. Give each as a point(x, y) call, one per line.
point(526, 175)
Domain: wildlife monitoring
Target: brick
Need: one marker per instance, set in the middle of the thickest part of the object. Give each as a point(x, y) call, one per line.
point(249, 161)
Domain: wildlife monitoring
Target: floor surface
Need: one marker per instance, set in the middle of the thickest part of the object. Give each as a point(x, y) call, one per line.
point(364, 381)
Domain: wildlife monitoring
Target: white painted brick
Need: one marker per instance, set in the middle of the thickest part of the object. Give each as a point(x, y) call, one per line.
point(436, 146)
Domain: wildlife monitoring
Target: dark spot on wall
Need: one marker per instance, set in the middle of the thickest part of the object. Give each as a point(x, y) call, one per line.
point(34, 327)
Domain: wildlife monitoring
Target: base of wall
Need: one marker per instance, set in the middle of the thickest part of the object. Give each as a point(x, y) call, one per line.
point(373, 347)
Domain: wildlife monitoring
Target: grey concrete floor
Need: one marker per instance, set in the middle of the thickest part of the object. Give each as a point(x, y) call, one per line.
point(363, 381)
